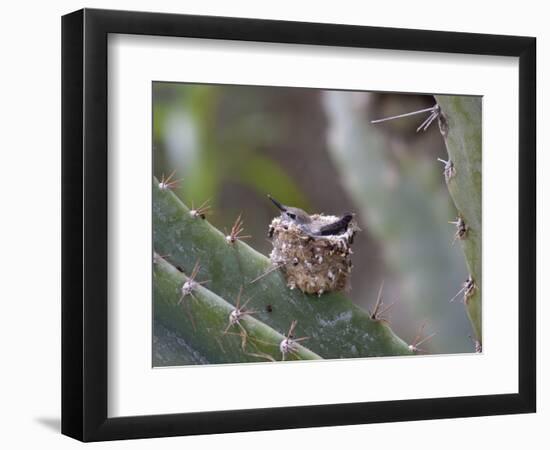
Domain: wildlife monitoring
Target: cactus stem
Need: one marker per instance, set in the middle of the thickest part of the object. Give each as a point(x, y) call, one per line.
point(462, 132)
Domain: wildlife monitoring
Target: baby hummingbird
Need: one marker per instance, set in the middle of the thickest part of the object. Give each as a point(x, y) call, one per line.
point(309, 225)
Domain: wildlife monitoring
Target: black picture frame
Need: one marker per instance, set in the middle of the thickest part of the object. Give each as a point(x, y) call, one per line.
point(84, 224)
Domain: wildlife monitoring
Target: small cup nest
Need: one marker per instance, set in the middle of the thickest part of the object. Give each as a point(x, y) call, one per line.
point(313, 264)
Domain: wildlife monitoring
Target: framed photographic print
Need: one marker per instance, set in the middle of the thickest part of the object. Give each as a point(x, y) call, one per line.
point(273, 224)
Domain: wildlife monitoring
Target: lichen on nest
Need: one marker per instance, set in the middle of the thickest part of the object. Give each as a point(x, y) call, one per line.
point(313, 264)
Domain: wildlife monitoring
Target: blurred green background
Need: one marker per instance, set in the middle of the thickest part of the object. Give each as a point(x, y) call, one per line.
point(316, 149)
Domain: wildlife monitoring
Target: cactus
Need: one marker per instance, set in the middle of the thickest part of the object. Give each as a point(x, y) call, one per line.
point(460, 124)
point(212, 338)
point(334, 326)
point(170, 349)
point(405, 207)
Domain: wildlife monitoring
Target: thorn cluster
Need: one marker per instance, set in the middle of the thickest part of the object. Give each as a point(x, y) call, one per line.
point(435, 112)
point(449, 171)
point(468, 288)
point(201, 211)
point(289, 344)
point(419, 340)
point(378, 312)
point(190, 286)
point(237, 314)
point(461, 229)
point(168, 183)
point(236, 231)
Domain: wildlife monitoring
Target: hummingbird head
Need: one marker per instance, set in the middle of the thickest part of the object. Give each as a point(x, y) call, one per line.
point(294, 214)
point(277, 203)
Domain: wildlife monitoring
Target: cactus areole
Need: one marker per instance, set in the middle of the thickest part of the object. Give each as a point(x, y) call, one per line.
point(313, 264)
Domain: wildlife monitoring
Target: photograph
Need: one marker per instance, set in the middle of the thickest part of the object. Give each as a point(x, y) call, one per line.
point(267, 224)
point(296, 223)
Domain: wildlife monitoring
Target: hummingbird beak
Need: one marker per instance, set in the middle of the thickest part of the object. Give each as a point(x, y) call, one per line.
point(276, 203)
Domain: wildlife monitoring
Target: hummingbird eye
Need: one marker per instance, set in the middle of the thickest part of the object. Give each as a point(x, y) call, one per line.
point(291, 215)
